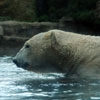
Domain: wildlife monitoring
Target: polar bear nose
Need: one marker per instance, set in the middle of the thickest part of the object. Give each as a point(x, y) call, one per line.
point(15, 61)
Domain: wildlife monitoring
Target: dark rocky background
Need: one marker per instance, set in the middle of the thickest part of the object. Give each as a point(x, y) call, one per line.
point(81, 11)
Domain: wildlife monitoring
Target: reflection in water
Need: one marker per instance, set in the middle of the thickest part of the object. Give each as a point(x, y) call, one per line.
point(18, 84)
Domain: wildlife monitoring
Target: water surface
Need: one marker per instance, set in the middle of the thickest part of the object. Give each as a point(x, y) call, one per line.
point(19, 84)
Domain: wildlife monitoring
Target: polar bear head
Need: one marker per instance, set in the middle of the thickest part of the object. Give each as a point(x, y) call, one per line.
point(38, 53)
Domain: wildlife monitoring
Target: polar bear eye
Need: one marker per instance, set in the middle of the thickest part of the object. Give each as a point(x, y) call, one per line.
point(27, 46)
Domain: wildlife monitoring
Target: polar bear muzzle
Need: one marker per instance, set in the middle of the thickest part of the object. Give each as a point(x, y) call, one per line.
point(21, 64)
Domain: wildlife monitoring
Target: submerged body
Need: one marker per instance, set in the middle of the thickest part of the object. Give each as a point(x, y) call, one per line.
point(58, 51)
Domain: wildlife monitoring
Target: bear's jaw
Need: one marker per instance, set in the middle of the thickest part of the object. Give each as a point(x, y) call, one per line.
point(43, 68)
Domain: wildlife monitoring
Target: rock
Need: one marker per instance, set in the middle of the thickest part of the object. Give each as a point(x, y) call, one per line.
point(16, 33)
point(24, 29)
point(1, 31)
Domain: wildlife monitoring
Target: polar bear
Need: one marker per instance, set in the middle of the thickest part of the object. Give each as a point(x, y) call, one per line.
point(62, 52)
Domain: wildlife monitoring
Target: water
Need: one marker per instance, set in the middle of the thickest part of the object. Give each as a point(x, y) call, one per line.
point(19, 84)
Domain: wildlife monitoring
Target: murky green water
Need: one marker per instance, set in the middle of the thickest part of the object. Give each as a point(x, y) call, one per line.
point(18, 84)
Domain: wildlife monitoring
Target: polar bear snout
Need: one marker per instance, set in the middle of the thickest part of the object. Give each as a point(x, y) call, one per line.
point(20, 63)
point(15, 61)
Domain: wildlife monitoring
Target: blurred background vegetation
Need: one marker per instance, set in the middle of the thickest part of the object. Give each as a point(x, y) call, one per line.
point(82, 11)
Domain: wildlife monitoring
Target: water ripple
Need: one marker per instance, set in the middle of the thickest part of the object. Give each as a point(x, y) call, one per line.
point(19, 84)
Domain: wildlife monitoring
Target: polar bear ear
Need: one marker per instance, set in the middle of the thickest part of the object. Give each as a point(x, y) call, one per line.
point(54, 42)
